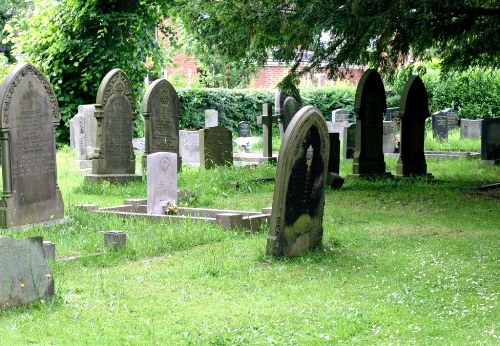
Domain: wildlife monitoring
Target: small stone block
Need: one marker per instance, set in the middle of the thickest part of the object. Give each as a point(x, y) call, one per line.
point(116, 240)
point(49, 250)
point(229, 220)
point(267, 211)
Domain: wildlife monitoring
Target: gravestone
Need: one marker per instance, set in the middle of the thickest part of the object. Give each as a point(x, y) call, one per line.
point(490, 140)
point(25, 275)
point(211, 118)
point(369, 106)
point(389, 137)
point(85, 136)
point(440, 125)
point(414, 110)
point(189, 147)
point(161, 109)
point(216, 147)
point(340, 115)
point(299, 194)
point(114, 158)
point(452, 120)
point(162, 182)
point(391, 113)
point(350, 147)
point(286, 106)
point(470, 128)
point(347, 135)
point(267, 120)
point(334, 180)
point(243, 129)
point(29, 114)
point(72, 130)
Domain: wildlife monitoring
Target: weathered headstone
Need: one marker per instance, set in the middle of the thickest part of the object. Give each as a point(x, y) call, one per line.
point(470, 128)
point(297, 214)
point(334, 180)
point(25, 275)
point(189, 147)
point(369, 106)
point(211, 118)
point(267, 120)
point(389, 137)
point(161, 109)
point(440, 125)
point(286, 106)
point(452, 120)
point(216, 147)
point(85, 135)
point(347, 135)
point(340, 115)
point(162, 182)
point(114, 158)
point(391, 113)
point(243, 129)
point(29, 114)
point(414, 109)
point(72, 130)
point(490, 140)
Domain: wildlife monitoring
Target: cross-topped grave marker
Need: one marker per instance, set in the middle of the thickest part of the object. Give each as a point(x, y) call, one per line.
point(267, 120)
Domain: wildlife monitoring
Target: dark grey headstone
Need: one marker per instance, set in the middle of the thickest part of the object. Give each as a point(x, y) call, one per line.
point(334, 180)
point(297, 214)
point(340, 115)
point(350, 144)
point(243, 129)
point(452, 116)
point(470, 128)
point(161, 109)
point(115, 114)
point(370, 106)
point(440, 125)
point(29, 114)
point(391, 113)
point(25, 275)
point(286, 106)
point(216, 147)
point(414, 110)
point(490, 140)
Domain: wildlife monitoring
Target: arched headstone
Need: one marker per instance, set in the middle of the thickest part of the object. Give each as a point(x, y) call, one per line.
point(286, 106)
point(29, 114)
point(161, 109)
point(114, 158)
point(413, 110)
point(299, 197)
point(369, 106)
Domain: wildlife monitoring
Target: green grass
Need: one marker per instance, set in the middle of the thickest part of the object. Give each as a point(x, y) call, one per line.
point(454, 143)
point(403, 262)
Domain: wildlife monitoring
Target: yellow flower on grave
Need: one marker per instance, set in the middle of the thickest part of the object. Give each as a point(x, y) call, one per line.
point(22, 285)
point(48, 275)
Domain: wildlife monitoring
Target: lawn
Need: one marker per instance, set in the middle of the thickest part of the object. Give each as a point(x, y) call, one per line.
point(403, 262)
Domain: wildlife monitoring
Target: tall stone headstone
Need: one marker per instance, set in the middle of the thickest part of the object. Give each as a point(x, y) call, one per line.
point(414, 109)
point(161, 109)
point(267, 120)
point(340, 115)
point(216, 147)
point(114, 158)
point(440, 125)
point(369, 106)
point(189, 147)
point(490, 140)
point(391, 113)
point(72, 130)
point(25, 275)
point(162, 182)
point(211, 118)
point(85, 135)
point(299, 198)
point(347, 135)
point(286, 106)
point(29, 114)
point(470, 128)
point(389, 138)
point(333, 179)
point(452, 116)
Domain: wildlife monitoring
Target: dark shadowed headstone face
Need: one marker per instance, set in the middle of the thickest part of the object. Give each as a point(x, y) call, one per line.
point(286, 106)
point(440, 126)
point(243, 129)
point(414, 110)
point(28, 115)
point(490, 140)
point(297, 215)
point(115, 116)
point(452, 116)
point(216, 147)
point(370, 106)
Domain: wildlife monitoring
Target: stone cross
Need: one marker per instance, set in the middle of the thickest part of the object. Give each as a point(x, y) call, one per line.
point(267, 120)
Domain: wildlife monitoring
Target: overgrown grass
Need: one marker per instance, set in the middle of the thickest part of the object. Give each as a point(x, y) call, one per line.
point(403, 262)
point(454, 143)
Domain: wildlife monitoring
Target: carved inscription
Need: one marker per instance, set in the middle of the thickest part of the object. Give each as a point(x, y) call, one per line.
point(118, 131)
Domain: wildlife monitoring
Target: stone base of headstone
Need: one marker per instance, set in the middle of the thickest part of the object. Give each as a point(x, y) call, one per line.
point(112, 178)
point(84, 165)
point(411, 170)
point(334, 180)
point(49, 250)
point(115, 240)
point(370, 176)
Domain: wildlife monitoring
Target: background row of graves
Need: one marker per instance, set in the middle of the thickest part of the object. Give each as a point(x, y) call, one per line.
point(30, 114)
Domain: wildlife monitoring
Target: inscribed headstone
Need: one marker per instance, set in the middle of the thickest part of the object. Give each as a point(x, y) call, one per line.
point(25, 275)
point(84, 132)
point(369, 106)
point(286, 106)
point(189, 146)
point(211, 118)
point(440, 125)
point(490, 140)
point(162, 182)
point(161, 109)
point(414, 109)
point(216, 147)
point(29, 114)
point(340, 115)
point(243, 129)
point(452, 116)
point(470, 128)
point(389, 138)
point(114, 157)
point(298, 203)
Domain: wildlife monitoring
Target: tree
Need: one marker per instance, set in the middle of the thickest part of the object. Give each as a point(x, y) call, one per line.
point(8, 10)
point(379, 33)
